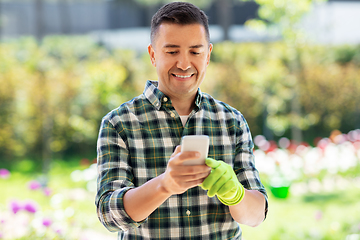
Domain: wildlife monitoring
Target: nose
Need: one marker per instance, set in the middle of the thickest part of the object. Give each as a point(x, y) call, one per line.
point(183, 62)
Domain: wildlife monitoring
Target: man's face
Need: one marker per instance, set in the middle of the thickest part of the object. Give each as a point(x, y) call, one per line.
point(181, 54)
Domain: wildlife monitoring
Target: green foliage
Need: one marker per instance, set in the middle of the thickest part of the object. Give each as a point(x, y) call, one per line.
point(257, 79)
point(57, 92)
point(64, 86)
point(283, 15)
point(347, 54)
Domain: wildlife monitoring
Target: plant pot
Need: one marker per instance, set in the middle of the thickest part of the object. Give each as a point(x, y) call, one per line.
point(280, 192)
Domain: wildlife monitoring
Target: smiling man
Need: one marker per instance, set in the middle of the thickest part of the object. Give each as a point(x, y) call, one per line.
point(181, 54)
point(145, 191)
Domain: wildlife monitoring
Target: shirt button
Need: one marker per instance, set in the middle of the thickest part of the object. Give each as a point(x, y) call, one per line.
point(165, 99)
point(188, 212)
point(157, 104)
point(172, 114)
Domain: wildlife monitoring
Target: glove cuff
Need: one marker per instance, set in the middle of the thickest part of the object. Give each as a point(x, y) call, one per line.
point(240, 193)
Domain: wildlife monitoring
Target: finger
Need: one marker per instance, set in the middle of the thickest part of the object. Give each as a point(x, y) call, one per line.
point(218, 185)
point(199, 178)
point(213, 177)
point(184, 170)
point(192, 184)
point(177, 150)
point(212, 163)
point(186, 182)
point(188, 155)
point(178, 157)
point(228, 189)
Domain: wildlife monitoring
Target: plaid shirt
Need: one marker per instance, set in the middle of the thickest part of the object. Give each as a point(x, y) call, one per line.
point(134, 145)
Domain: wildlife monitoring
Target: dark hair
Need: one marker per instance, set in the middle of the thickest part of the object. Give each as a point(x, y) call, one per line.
point(180, 13)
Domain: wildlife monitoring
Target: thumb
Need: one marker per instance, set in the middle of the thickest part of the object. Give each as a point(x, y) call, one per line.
point(176, 151)
point(212, 163)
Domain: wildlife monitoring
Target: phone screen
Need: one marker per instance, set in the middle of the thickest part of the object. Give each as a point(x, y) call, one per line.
point(198, 143)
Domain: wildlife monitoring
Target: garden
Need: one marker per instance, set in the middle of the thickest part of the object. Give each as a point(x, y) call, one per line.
point(313, 194)
point(304, 121)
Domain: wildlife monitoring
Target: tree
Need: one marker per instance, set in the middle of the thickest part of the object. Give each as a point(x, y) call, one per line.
point(285, 16)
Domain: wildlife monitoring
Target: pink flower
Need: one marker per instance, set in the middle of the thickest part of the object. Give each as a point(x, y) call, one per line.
point(4, 173)
point(15, 206)
point(47, 191)
point(46, 222)
point(31, 207)
point(59, 231)
point(318, 215)
point(34, 185)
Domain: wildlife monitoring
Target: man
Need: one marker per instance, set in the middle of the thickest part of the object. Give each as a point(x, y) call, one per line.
point(144, 189)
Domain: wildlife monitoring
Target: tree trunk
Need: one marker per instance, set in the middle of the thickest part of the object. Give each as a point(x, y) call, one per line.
point(296, 132)
point(47, 126)
point(268, 134)
point(47, 123)
point(295, 68)
point(65, 16)
point(39, 20)
point(224, 15)
point(1, 23)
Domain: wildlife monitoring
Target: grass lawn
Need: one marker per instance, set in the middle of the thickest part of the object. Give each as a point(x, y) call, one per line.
point(329, 215)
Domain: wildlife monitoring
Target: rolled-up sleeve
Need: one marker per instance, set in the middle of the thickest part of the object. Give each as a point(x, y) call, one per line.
point(244, 165)
point(115, 178)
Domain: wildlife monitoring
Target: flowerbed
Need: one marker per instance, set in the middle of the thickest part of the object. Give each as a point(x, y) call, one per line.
point(334, 163)
point(60, 208)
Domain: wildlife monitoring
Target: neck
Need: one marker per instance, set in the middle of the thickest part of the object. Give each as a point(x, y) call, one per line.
point(183, 106)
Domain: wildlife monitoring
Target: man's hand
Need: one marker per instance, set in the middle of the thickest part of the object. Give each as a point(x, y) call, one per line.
point(223, 182)
point(178, 177)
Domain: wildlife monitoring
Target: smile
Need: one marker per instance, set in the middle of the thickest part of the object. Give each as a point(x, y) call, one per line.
point(182, 76)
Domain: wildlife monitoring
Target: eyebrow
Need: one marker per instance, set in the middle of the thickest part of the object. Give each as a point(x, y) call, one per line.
point(177, 46)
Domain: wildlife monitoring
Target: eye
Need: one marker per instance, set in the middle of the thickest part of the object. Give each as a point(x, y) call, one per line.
point(172, 52)
point(195, 53)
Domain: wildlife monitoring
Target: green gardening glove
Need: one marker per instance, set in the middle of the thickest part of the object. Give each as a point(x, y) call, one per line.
point(222, 181)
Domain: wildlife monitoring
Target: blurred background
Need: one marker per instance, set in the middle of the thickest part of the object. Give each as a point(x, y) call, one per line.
point(291, 67)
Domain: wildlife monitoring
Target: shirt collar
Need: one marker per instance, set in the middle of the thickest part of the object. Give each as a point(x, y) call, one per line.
point(156, 97)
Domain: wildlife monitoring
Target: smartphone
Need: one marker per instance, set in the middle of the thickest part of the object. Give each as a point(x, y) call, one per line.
point(198, 143)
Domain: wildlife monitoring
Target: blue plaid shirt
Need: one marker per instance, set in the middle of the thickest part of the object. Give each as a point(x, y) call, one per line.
point(135, 143)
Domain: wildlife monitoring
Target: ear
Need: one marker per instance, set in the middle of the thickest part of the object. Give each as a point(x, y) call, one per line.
point(151, 52)
point(208, 56)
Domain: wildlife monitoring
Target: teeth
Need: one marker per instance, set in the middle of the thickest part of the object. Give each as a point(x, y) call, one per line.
point(181, 76)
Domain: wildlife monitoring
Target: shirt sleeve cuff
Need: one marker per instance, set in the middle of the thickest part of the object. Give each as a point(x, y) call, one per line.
point(118, 210)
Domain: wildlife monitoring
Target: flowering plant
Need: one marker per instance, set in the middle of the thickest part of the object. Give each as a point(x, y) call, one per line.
point(313, 168)
point(57, 208)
